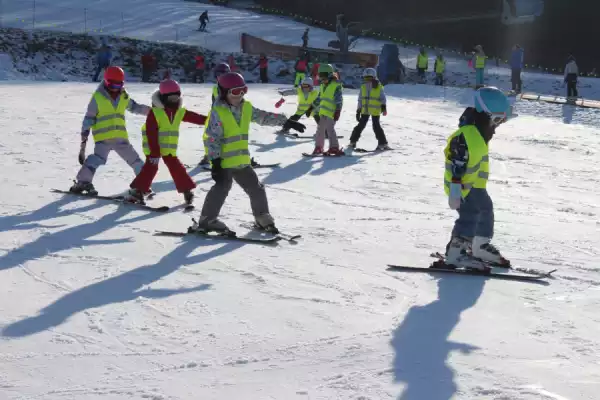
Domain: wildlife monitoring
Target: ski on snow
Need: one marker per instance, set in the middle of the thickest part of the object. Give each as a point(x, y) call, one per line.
point(523, 275)
point(297, 136)
point(119, 199)
point(230, 235)
point(206, 167)
point(284, 236)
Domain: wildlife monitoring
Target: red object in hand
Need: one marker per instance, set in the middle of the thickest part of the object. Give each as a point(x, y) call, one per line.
point(279, 103)
point(385, 113)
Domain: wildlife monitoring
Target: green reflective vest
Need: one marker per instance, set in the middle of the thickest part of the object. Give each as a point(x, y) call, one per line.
point(327, 104)
point(305, 100)
point(370, 103)
point(480, 61)
point(422, 60)
point(110, 121)
point(478, 167)
point(440, 66)
point(234, 151)
point(168, 132)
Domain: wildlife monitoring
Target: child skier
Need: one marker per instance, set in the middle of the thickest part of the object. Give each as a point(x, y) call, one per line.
point(160, 138)
point(226, 144)
point(220, 69)
point(371, 104)
point(330, 103)
point(105, 116)
point(465, 180)
point(306, 97)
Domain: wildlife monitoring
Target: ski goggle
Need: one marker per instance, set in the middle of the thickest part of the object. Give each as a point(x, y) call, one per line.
point(114, 85)
point(238, 91)
point(497, 118)
point(305, 86)
point(173, 97)
point(368, 78)
point(324, 75)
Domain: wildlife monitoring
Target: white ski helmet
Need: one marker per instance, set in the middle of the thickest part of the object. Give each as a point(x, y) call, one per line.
point(370, 72)
point(308, 81)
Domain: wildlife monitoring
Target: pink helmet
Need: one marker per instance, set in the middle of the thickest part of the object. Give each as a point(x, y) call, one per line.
point(233, 82)
point(169, 86)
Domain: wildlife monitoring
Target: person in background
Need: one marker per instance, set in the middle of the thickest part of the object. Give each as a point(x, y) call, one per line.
point(148, 66)
point(203, 20)
point(571, 74)
point(103, 60)
point(422, 64)
point(516, 65)
point(314, 71)
point(439, 67)
point(478, 61)
point(263, 64)
point(199, 67)
point(301, 67)
point(305, 38)
point(232, 65)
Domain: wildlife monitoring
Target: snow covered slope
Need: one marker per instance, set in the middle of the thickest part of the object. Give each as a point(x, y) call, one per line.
point(93, 307)
point(177, 20)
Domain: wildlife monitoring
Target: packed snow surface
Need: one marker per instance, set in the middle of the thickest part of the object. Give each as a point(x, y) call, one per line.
point(94, 307)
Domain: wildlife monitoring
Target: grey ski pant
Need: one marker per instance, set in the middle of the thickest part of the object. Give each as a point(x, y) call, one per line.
point(248, 180)
point(101, 151)
point(326, 129)
point(475, 215)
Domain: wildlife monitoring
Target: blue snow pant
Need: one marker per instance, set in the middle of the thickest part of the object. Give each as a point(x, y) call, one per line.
point(475, 215)
point(101, 151)
point(479, 76)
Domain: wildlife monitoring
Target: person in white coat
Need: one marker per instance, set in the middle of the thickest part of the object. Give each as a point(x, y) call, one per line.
point(571, 74)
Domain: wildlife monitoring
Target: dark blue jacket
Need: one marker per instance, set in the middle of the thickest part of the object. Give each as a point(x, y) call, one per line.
point(516, 58)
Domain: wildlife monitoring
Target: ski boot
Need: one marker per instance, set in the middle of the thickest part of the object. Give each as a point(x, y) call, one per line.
point(383, 147)
point(483, 250)
point(188, 197)
point(253, 163)
point(350, 148)
point(204, 161)
point(457, 255)
point(317, 151)
point(83, 188)
point(135, 196)
point(204, 225)
point(334, 152)
point(265, 222)
point(149, 194)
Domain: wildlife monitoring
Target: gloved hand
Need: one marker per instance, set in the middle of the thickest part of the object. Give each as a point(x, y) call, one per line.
point(455, 196)
point(253, 163)
point(384, 109)
point(357, 116)
point(336, 116)
point(153, 160)
point(81, 156)
point(295, 125)
point(309, 111)
point(217, 172)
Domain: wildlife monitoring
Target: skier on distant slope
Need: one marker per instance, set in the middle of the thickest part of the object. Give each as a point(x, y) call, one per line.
point(105, 116)
point(160, 139)
point(226, 144)
point(465, 181)
point(306, 97)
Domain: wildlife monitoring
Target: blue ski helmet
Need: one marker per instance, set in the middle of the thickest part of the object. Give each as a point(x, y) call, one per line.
point(492, 101)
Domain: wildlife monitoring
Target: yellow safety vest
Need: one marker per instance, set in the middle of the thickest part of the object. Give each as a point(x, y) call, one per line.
point(480, 61)
point(478, 167)
point(422, 61)
point(215, 92)
point(327, 105)
point(370, 101)
point(234, 151)
point(110, 121)
point(440, 66)
point(305, 101)
point(168, 132)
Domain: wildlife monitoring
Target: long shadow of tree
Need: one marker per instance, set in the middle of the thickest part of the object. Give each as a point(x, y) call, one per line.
point(421, 342)
point(76, 236)
point(121, 288)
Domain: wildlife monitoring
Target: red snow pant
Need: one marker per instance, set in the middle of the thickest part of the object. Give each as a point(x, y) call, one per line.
point(183, 181)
